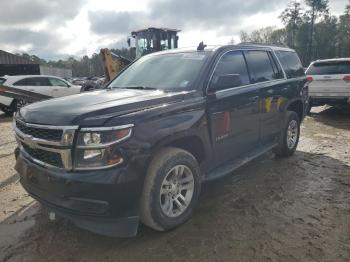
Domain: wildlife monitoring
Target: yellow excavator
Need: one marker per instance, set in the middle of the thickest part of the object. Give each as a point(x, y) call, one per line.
point(147, 41)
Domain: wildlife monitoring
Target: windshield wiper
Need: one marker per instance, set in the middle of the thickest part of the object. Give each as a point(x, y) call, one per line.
point(139, 87)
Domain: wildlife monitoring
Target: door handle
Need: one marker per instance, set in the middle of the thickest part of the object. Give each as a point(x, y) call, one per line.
point(254, 98)
point(55, 89)
point(31, 90)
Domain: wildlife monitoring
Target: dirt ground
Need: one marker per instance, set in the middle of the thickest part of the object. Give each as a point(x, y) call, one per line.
point(294, 209)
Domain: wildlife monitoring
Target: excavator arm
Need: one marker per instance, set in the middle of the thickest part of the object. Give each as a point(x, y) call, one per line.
point(112, 63)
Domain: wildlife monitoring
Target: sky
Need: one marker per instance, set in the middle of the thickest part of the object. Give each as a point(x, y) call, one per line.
point(55, 29)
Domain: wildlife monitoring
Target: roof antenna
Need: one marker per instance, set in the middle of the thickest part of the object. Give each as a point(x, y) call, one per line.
point(201, 46)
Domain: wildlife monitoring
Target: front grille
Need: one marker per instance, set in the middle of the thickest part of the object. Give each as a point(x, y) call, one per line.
point(48, 157)
point(46, 134)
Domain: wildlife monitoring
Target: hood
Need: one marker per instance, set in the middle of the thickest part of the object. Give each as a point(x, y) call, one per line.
point(94, 108)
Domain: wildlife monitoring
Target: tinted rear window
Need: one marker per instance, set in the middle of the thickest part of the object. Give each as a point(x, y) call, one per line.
point(2, 80)
point(290, 63)
point(329, 68)
point(34, 81)
point(260, 66)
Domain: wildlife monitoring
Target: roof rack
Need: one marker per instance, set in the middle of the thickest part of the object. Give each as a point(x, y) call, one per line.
point(261, 44)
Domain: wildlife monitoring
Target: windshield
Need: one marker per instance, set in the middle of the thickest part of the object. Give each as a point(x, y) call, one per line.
point(329, 68)
point(168, 72)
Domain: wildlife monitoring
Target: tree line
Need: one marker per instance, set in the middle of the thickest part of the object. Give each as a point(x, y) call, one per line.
point(310, 29)
point(81, 67)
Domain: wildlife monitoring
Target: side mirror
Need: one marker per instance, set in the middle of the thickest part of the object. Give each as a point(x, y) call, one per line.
point(225, 81)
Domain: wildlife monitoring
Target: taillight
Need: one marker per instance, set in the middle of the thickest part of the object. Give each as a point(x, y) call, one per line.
point(346, 78)
point(309, 78)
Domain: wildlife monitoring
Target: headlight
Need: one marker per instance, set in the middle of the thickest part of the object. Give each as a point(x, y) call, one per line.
point(97, 147)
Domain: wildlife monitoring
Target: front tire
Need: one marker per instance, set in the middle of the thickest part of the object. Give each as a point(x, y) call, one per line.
point(7, 110)
point(289, 139)
point(171, 189)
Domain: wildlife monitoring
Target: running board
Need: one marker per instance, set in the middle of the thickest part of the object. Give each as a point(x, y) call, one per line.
point(236, 163)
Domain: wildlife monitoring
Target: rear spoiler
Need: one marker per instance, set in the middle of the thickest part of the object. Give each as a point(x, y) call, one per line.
point(21, 94)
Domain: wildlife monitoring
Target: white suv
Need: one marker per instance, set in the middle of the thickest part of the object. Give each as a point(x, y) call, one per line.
point(42, 84)
point(329, 82)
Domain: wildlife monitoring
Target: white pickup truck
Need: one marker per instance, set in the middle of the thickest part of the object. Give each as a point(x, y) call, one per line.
point(329, 82)
point(42, 84)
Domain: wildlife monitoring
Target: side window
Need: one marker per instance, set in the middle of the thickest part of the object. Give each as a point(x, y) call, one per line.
point(231, 71)
point(57, 82)
point(22, 82)
point(291, 63)
point(276, 67)
point(260, 66)
point(37, 81)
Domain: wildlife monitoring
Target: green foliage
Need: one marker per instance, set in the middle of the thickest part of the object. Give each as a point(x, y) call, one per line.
point(312, 32)
point(292, 19)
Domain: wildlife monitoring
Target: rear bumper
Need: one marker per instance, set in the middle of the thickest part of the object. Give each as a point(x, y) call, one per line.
point(103, 202)
point(321, 100)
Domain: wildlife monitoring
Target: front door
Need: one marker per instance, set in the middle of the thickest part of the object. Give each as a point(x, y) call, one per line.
point(61, 88)
point(233, 109)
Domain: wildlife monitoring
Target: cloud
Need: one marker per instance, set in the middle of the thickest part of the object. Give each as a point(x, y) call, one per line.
point(44, 43)
point(24, 12)
point(111, 22)
point(182, 14)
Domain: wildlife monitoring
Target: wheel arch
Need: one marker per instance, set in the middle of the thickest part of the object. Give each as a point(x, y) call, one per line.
point(191, 143)
point(296, 106)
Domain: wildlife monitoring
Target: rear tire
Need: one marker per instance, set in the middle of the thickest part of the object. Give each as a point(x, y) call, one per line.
point(289, 137)
point(171, 189)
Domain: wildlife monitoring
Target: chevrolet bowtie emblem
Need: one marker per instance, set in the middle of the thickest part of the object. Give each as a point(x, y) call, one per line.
point(28, 140)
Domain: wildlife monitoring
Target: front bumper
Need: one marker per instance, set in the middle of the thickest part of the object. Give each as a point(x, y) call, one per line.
point(104, 201)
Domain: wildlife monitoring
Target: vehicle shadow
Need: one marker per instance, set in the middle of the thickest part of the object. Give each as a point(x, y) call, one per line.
point(5, 118)
point(338, 117)
point(258, 207)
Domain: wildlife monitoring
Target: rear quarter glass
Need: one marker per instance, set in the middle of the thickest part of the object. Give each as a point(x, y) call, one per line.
point(2, 80)
point(291, 63)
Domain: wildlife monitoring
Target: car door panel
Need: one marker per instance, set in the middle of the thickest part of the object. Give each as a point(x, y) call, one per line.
point(39, 85)
point(235, 122)
point(233, 112)
point(62, 88)
point(269, 77)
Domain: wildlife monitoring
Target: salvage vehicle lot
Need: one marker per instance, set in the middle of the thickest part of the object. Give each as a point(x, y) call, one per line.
point(295, 209)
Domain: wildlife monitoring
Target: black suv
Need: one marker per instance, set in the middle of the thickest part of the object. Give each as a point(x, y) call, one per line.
point(140, 149)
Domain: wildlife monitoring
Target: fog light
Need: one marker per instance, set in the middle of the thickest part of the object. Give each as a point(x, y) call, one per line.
point(89, 154)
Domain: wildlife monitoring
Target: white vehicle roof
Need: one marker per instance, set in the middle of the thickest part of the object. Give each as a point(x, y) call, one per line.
point(332, 60)
point(13, 79)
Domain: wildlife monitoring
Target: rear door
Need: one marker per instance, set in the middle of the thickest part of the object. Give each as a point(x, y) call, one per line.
point(39, 85)
point(329, 79)
point(269, 78)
